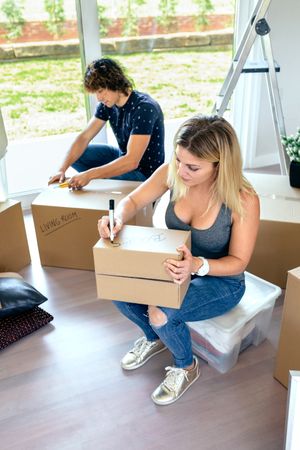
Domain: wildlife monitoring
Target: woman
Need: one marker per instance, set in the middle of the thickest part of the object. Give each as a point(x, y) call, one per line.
point(210, 197)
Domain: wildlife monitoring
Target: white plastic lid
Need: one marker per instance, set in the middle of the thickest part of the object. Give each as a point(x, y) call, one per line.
point(259, 295)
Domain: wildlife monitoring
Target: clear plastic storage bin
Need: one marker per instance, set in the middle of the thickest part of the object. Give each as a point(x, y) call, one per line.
point(220, 340)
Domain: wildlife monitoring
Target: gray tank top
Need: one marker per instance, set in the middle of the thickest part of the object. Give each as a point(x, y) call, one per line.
point(213, 242)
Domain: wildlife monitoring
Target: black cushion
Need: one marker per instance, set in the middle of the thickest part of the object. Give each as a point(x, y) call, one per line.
point(15, 327)
point(17, 296)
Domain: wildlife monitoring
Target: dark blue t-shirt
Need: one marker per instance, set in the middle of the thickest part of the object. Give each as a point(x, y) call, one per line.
point(141, 114)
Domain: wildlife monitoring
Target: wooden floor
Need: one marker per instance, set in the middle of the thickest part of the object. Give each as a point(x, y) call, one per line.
point(62, 387)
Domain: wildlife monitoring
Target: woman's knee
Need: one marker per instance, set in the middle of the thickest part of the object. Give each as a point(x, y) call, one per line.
point(157, 317)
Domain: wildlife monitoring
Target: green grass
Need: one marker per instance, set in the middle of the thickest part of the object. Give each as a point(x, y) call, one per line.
point(40, 97)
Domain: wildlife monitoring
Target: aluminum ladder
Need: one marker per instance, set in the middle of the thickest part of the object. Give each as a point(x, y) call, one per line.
point(257, 26)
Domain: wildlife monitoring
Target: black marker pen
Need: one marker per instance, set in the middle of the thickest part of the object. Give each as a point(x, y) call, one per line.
point(111, 219)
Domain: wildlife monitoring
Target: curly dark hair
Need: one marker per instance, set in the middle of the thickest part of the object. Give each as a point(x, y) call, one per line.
point(106, 73)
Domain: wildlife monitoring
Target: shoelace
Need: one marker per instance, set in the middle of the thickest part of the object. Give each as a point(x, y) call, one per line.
point(174, 378)
point(140, 346)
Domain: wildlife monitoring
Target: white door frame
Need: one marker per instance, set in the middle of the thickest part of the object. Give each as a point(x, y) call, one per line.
point(90, 49)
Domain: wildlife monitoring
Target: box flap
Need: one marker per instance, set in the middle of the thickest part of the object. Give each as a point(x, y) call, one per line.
point(295, 272)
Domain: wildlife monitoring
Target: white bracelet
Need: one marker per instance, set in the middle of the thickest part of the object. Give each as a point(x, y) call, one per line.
point(204, 269)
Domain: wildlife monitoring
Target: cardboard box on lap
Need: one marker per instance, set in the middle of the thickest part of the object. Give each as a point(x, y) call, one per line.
point(131, 269)
point(14, 251)
point(288, 355)
point(277, 248)
point(66, 221)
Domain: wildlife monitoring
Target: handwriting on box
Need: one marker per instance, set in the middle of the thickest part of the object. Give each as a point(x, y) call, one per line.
point(56, 223)
point(145, 240)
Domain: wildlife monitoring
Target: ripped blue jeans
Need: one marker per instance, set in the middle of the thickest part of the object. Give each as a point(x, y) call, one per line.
point(206, 297)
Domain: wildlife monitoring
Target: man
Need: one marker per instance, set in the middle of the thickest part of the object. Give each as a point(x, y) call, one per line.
point(136, 120)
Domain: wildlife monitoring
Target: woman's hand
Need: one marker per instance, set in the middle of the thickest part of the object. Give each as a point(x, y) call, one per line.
point(180, 270)
point(103, 227)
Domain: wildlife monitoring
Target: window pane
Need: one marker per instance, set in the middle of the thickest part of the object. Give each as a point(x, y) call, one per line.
point(186, 77)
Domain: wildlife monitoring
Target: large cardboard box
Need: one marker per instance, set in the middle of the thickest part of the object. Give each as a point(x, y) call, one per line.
point(131, 269)
point(14, 251)
point(288, 354)
point(66, 221)
point(277, 249)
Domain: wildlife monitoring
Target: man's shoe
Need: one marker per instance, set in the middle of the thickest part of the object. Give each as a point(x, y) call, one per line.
point(141, 352)
point(176, 382)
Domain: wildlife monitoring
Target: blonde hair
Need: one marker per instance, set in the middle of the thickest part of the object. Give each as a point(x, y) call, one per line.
point(212, 139)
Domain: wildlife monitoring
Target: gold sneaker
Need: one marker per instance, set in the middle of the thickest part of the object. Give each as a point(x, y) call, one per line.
point(141, 352)
point(176, 382)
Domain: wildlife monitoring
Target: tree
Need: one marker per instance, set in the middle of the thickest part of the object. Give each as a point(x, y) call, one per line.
point(13, 10)
point(104, 21)
point(167, 12)
point(204, 7)
point(130, 27)
point(56, 13)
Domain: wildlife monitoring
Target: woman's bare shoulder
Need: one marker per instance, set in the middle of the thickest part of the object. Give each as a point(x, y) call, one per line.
point(249, 198)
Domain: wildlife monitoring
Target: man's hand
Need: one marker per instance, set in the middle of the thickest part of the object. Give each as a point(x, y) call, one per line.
point(59, 176)
point(79, 180)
